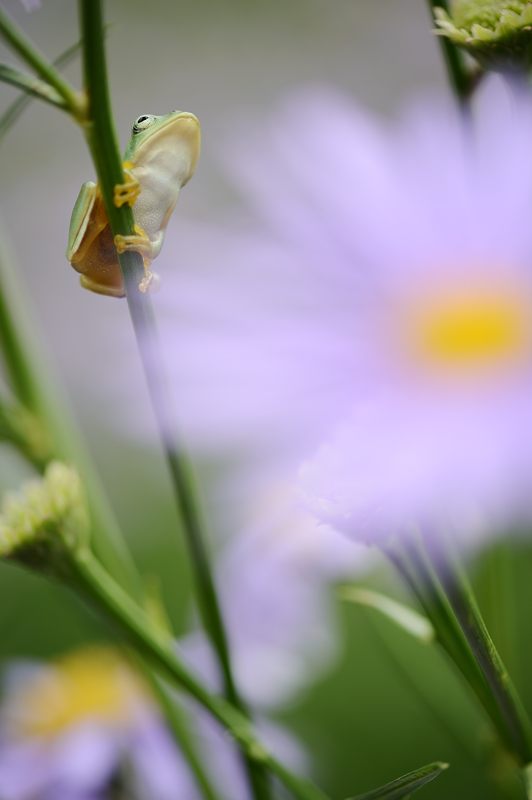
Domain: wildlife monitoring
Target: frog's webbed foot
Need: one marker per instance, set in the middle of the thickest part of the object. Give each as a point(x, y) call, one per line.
point(140, 243)
point(128, 191)
point(150, 282)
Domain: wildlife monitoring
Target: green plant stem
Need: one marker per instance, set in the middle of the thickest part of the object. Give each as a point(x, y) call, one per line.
point(26, 433)
point(179, 725)
point(412, 568)
point(460, 78)
point(91, 579)
point(412, 564)
point(13, 112)
point(102, 143)
point(29, 379)
point(518, 730)
point(74, 102)
point(31, 85)
point(25, 368)
point(15, 341)
point(441, 588)
point(38, 397)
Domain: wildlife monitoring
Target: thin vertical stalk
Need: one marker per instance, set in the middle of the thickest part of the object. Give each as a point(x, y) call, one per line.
point(179, 725)
point(102, 142)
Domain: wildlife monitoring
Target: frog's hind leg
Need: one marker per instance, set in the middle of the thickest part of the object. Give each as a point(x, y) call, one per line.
point(101, 288)
point(86, 223)
point(140, 243)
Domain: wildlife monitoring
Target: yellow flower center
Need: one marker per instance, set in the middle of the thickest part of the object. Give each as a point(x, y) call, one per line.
point(92, 683)
point(471, 328)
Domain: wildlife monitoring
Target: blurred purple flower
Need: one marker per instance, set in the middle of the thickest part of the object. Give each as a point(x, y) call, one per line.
point(378, 323)
point(68, 728)
point(274, 586)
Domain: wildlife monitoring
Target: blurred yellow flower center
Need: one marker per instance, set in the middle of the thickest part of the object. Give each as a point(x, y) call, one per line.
point(90, 684)
point(470, 329)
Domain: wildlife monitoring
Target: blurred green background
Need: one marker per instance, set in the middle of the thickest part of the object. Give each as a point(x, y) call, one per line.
point(390, 704)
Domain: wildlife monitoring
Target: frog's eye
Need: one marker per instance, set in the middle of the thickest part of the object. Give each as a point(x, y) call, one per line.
point(143, 122)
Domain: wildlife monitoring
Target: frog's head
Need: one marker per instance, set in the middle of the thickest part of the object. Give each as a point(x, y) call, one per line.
point(171, 141)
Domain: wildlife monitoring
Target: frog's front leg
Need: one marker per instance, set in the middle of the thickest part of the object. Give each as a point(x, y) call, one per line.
point(128, 191)
point(140, 243)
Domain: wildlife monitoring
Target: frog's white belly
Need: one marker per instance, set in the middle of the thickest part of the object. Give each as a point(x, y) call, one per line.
point(155, 203)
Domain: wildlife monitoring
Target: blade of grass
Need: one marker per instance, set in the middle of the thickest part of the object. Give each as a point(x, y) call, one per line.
point(405, 785)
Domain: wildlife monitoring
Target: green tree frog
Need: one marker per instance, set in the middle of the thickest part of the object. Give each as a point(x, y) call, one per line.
point(160, 158)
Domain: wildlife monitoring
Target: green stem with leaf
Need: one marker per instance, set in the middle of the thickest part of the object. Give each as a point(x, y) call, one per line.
point(46, 413)
point(438, 582)
point(517, 726)
point(89, 578)
point(40, 428)
point(97, 124)
point(73, 102)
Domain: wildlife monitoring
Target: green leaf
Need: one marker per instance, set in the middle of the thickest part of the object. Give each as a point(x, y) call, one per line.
point(404, 786)
point(16, 108)
point(30, 85)
point(527, 780)
point(403, 616)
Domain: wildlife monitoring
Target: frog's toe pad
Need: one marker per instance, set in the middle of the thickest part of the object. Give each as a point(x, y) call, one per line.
point(126, 192)
point(150, 282)
point(138, 241)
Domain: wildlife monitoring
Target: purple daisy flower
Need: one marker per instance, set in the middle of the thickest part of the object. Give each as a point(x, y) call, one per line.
point(68, 728)
point(377, 324)
point(274, 583)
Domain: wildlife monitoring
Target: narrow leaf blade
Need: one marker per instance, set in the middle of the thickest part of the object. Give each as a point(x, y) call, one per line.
point(17, 107)
point(405, 785)
point(414, 623)
point(30, 85)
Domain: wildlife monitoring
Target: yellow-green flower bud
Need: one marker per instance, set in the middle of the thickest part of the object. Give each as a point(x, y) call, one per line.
point(498, 33)
point(46, 523)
